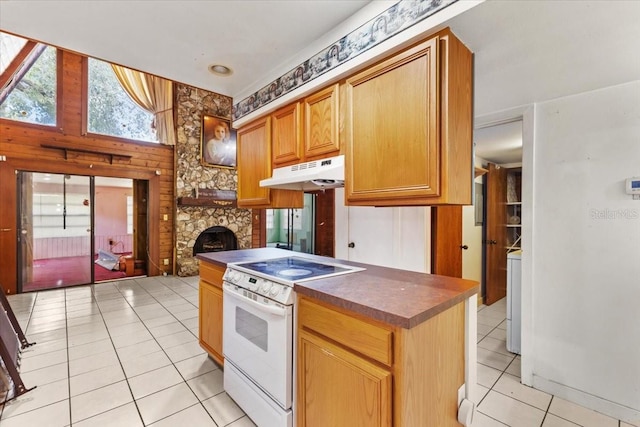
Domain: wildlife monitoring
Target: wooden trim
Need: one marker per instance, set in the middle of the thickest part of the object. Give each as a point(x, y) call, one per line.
point(84, 98)
point(153, 220)
point(446, 240)
point(11, 69)
point(480, 171)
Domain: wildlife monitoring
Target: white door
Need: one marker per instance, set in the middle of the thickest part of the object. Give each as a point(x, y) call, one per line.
point(398, 237)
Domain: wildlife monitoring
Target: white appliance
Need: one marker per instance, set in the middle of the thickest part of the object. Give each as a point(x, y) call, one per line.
point(309, 176)
point(514, 301)
point(258, 334)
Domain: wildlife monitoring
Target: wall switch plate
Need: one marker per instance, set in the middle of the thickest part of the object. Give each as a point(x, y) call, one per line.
point(166, 261)
point(165, 217)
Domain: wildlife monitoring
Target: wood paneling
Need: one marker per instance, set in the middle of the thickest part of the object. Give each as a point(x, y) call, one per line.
point(325, 223)
point(431, 357)
point(446, 240)
point(22, 144)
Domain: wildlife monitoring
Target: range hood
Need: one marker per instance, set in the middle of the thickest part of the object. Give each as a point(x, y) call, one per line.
point(309, 176)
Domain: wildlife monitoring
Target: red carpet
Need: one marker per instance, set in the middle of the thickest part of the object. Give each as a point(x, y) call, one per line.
point(52, 273)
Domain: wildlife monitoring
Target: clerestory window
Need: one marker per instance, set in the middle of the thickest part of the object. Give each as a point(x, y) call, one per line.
point(28, 81)
point(111, 111)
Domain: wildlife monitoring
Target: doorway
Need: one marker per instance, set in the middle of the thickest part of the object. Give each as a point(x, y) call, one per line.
point(498, 147)
point(75, 230)
point(292, 229)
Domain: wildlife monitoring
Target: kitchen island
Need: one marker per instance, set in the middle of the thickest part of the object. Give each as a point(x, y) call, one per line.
point(378, 347)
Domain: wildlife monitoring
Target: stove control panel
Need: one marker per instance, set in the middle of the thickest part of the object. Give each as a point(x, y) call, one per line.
point(279, 292)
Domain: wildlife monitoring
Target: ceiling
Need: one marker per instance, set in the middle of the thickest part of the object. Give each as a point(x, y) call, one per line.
point(525, 51)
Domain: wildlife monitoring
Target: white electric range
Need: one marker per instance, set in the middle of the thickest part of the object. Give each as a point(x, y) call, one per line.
point(258, 303)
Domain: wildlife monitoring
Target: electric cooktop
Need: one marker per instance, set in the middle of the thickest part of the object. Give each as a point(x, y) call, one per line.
point(294, 269)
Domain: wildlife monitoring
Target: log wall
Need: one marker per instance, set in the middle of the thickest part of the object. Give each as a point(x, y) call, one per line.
point(22, 145)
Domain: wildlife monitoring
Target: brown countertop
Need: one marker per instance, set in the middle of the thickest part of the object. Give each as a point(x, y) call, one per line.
point(397, 297)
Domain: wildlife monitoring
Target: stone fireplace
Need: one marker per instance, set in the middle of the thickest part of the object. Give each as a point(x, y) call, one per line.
point(215, 239)
point(194, 219)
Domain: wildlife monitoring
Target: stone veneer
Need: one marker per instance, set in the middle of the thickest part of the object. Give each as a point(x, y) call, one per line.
point(190, 104)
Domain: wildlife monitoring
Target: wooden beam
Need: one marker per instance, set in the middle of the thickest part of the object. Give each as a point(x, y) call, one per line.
point(20, 65)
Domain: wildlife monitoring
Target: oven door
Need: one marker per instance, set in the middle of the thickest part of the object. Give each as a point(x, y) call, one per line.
point(258, 341)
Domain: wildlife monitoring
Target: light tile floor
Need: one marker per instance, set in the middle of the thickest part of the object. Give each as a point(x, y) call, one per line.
point(118, 354)
point(126, 354)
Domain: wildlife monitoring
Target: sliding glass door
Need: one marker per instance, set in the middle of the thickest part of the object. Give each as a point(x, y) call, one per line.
point(55, 244)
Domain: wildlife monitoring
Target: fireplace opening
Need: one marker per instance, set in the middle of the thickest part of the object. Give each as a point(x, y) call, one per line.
point(215, 239)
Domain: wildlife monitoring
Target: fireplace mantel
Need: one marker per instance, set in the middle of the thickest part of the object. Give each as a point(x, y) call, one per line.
point(211, 199)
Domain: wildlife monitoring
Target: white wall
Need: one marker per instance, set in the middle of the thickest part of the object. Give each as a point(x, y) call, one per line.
point(397, 237)
point(581, 340)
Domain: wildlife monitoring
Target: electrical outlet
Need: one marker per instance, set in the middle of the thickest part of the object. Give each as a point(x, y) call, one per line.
point(165, 217)
point(166, 261)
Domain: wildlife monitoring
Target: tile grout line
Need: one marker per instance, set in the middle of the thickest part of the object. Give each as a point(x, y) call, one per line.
point(161, 348)
point(66, 336)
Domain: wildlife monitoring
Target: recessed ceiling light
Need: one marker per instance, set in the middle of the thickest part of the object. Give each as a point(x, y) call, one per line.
point(220, 70)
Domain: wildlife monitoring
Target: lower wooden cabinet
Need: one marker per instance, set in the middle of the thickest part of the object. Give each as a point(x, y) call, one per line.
point(339, 388)
point(356, 371)
point(210, 315)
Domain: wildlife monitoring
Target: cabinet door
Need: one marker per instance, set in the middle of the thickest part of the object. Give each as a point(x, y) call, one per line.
point(210, 322)
point(286, 135)
point(254, 163)
point(393, 141)
point(321, 123)
point(338, 388)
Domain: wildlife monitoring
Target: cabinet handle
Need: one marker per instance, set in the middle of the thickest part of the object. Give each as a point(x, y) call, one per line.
point(5, 229)
point(465, 247)
point(352, 245)
point(493, 242)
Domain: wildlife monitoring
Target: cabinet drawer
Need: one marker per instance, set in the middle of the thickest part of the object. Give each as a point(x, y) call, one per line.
point(366, 338)
point(211, 273)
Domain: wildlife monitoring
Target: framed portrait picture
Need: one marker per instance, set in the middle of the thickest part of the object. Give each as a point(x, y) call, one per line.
point(218, 143)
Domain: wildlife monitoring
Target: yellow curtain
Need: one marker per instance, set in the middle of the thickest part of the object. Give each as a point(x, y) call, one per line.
point(155, 95)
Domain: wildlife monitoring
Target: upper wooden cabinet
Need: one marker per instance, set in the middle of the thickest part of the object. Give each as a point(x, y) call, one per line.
point(409, 127)
point(286, 134)
point(307, 129)
point(321, 123)
point(254, 164)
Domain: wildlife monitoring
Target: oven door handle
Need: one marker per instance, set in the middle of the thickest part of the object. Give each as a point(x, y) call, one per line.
point(278, 311)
